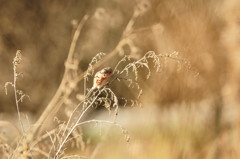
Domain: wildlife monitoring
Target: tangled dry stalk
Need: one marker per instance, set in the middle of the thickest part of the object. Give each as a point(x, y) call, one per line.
point(29, 142)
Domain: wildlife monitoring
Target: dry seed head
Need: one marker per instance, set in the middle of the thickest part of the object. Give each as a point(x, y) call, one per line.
point(17, 59)
point(22, 97)
point(123, 60)
point(6, 85)
point(95, 59)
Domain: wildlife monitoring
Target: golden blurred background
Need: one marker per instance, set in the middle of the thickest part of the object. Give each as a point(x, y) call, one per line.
point(187, 113)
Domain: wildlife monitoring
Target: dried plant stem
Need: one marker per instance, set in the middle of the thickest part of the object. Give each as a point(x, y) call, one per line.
point(75, 37)
point(126, 35)
point(56, 102)
point(17, 106)
point(60, 95)
point(70, 118)
point(75, 125)
point(86, 122)
point(58, 99)
point(68, 130)
point(43, 137)
point(15, 75)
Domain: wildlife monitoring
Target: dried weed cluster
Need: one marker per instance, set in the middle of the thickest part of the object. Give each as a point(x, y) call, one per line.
point(37, 142)
point(68, 133)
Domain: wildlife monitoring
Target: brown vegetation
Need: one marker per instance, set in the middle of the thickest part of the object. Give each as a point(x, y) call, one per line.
point(178, 59)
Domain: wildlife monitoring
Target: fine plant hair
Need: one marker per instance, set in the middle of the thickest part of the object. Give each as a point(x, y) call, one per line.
point(128, 69)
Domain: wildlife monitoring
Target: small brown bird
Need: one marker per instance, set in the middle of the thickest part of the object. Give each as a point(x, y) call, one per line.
point(100, 80)
point(102, 77)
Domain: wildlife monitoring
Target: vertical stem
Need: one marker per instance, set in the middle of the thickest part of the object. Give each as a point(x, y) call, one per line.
point(75, 125)
point(15, 95)
point(60, 95)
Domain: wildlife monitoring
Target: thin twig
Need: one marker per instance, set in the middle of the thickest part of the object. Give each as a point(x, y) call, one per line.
point(74, 126)
point(57, 100)
point(16, 61)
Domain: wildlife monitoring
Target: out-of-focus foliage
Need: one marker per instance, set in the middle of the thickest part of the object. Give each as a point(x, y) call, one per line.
point(43, 30)
point(205, 32)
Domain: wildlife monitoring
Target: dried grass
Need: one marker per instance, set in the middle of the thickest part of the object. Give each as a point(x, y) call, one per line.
point(57, 140)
